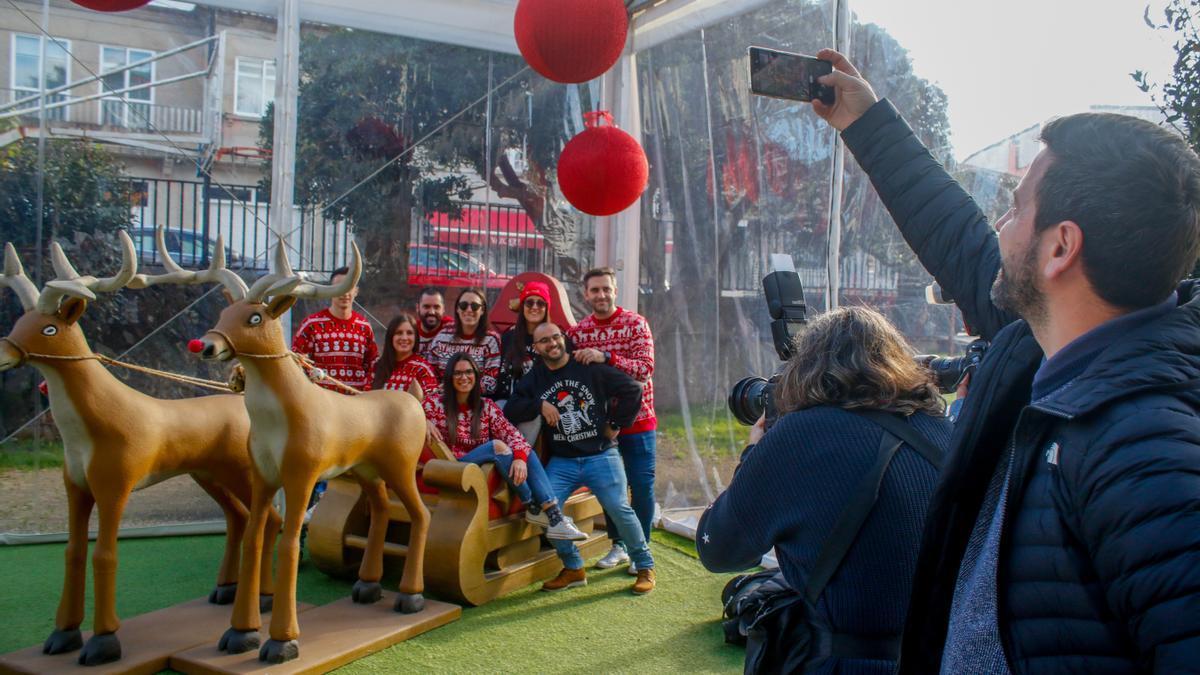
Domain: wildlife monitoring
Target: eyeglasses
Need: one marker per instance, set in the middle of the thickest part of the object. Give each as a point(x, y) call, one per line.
point(534, 303)
point(549, 339)
point(463, 374)
point(469, 306)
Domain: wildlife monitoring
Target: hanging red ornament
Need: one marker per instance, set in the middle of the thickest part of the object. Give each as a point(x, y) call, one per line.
point(571, 41)
point(111, 5)
point(603, 170)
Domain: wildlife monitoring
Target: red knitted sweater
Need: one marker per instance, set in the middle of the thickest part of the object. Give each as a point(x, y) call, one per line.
point(493, 426)
point(343, 348)
point(626, 337)
point(414, 368)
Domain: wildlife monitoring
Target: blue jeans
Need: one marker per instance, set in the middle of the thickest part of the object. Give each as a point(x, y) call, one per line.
point(637, 452)
point(604, 475)
point(536, 488)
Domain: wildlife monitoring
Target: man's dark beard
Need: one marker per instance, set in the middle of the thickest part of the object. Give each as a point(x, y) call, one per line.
point(431, 321)
point(1015, 291)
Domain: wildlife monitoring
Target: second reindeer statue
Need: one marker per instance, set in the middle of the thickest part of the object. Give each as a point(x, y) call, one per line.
point(300, 434)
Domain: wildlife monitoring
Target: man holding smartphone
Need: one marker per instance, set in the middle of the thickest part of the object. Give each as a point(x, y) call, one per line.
point(1064, 534)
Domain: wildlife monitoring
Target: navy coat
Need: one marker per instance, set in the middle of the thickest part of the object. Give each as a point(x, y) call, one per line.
point(1099, 568)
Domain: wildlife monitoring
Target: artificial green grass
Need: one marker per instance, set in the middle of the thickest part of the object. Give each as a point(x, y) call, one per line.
point(598, 628)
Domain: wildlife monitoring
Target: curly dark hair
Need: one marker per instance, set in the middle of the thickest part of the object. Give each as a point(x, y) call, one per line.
point(853, 357)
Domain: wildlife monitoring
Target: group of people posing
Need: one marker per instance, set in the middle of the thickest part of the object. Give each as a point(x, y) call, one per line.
point(487, 397)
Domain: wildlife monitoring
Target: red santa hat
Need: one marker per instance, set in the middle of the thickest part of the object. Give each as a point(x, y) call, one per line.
point(536, 288)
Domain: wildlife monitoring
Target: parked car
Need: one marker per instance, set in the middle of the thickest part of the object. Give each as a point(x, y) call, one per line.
point(430, 265)
point(185, 246)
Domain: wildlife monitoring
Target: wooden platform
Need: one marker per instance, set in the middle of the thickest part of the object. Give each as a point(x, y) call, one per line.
point(147, 641)
point(331, 635)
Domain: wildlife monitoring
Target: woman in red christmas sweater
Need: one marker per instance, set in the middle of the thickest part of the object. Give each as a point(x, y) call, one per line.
point(482, 435)
point(472, 335)
point(400, 365)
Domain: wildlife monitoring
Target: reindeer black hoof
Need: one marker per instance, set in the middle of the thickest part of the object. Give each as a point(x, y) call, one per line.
point(409, 603)
point(237, 641)
point(223, 594)
point(62, 641)
point(366, 592)
point(265, 604)
point(277, 651)
point(100, 649)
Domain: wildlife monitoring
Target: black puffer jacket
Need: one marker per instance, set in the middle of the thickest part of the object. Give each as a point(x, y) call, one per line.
point(1099, 568)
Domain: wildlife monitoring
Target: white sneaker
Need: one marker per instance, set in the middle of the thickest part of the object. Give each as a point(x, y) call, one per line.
point(616, 556)
point(565, 529)
point(633, 570)
point(540, 519)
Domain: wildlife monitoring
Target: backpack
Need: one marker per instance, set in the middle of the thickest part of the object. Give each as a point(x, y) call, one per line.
point(780, 626)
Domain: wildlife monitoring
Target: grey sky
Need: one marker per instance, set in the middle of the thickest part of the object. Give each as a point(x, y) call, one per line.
point(1007, 65)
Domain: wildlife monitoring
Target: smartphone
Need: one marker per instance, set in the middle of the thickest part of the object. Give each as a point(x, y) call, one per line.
point(786, 75)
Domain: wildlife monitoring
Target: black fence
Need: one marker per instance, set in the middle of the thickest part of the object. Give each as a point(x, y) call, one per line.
point(195, 213)
point(482, 245)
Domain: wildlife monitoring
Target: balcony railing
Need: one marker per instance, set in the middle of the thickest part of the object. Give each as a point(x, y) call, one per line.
point(110, 115)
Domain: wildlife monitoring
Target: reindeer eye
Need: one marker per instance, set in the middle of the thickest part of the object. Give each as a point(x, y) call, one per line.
point(255, 319)
point(50, 330)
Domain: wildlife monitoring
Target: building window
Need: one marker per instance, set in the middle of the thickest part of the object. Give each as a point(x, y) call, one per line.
point(254, 86)
point(28, 78)
point(113, 110)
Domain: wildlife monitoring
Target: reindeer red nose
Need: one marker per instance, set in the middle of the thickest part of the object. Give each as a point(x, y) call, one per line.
point(196, 346)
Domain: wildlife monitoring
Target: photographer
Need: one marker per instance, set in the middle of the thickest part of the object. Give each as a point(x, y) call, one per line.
point(1064, 534)
point(796, 480)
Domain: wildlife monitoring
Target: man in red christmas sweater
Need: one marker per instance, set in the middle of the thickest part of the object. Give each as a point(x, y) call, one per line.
point(621, 338)
point(431, 310)
point(341, 344)
point(340, 341)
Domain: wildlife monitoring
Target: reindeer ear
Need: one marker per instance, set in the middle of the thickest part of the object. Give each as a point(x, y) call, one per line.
point(414, 388)
point(71, 309)
point(228, 296)
point(280, 304)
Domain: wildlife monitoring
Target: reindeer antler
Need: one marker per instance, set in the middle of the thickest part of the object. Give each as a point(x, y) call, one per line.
point(69, 282)
point(216, 272)
point(14, 278)
point(283, 281)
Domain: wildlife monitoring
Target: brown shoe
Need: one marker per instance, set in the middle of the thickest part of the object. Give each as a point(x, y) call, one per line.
point(645, 582)
point(568, 578)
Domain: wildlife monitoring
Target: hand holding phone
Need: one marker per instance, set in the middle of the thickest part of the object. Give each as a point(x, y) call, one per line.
point(790, 76)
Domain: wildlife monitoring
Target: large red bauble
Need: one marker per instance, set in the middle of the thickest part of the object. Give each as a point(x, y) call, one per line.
point(571, 41)
point(603, 170)
point(112, 5)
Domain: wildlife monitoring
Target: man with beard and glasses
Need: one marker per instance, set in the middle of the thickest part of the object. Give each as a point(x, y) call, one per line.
point(1064, 533)
point(584, 407)
point(431, 310)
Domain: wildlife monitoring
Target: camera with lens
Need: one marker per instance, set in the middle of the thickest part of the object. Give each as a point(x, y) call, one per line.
point(753, 397)
point(949, 372)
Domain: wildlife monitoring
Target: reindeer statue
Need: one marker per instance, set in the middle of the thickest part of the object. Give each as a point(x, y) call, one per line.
point(301, 433)
point(117, 440)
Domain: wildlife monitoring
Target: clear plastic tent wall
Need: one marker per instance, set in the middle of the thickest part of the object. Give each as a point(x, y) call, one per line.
point(439, 160)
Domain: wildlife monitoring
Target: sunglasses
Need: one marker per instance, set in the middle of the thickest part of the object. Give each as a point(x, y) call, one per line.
point(471, 306)
point(534, 303)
